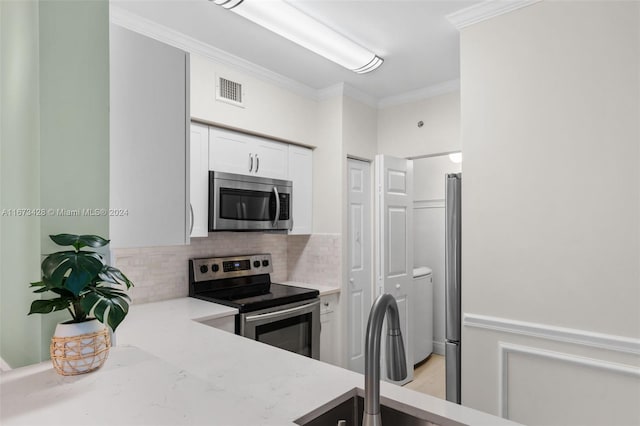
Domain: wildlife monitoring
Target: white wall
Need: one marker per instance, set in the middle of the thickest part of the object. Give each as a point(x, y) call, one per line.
point(327, 168)
point(400, 136)
point(19, 181)
point(359, 129)
point(429, 230)
point(551, 213)
point(269, 110)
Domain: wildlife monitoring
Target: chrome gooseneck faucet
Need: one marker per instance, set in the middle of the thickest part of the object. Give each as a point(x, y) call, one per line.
point(396, 361)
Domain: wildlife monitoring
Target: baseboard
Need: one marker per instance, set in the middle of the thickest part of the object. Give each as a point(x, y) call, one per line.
point(438, 348)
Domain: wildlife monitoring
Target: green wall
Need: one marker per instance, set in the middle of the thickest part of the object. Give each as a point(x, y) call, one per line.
point(74, 122)
point(19, 180)
point(55, 149)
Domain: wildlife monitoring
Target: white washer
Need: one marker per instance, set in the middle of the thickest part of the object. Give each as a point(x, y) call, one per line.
point(423, 314)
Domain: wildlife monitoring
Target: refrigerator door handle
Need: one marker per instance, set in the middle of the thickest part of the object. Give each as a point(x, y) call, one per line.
point(452, 372)
point(453, 309)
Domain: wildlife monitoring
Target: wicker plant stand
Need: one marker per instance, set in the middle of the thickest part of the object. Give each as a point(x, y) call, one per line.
point(78, 354)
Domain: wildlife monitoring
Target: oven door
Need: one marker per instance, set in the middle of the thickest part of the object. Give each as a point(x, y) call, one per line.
point(294, 327)
point(245, 203)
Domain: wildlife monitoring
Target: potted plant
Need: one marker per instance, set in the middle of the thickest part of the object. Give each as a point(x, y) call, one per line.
point(92, 292)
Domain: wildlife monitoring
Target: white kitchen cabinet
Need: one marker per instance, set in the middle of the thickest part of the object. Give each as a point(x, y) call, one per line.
point(301, 174)
point(199, 180)
point(235, 152)
point(329, 331)
point(149, 141)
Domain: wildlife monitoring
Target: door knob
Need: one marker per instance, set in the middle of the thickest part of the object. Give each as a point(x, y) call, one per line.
point(351, 280)
point(398, 286)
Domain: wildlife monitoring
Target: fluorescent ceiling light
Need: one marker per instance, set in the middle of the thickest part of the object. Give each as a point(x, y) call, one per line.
point(284, 19)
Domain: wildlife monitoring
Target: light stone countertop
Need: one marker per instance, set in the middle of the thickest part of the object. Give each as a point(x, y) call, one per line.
point(171, 370)
point(323, 289)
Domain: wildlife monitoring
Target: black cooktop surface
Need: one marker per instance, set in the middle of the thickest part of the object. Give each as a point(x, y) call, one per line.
point(262, 298)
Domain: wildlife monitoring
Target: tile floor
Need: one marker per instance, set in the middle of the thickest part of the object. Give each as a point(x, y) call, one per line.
point(429, 377)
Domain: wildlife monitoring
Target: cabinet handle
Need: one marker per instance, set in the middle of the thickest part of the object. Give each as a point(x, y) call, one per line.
point(250, 161)
point(192, 220)
point(257, 163)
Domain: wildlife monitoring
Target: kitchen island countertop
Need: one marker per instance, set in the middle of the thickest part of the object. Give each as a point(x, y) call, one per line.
point(168, 368)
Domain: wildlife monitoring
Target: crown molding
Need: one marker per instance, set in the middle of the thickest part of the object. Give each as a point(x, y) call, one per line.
point(177, 39)
point(486, 10)
point(360, 96)
point(420, 94)
point(333, 91)
point(343, 89)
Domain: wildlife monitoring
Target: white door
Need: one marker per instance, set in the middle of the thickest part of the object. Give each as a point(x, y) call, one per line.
point(394, 242)
point(359, 260)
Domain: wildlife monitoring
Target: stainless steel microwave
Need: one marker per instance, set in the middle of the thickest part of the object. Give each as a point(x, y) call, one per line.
point(248, 203)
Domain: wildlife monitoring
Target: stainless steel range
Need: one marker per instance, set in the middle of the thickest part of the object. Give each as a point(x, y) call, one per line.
point(280, 315)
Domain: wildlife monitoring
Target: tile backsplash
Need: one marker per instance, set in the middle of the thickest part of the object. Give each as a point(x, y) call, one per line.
point(161, 272)
point(315, 259)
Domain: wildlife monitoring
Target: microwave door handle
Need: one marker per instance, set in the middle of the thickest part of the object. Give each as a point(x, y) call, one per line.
point(275, 220)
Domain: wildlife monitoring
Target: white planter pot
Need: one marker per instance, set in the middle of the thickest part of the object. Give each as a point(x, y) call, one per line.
point(78, 348)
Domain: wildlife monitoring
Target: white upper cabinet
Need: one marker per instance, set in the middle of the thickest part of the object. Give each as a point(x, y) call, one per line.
point(301, 174)
point(149, 136)
point(199, 179)
point(271, 159)
point(234, 152)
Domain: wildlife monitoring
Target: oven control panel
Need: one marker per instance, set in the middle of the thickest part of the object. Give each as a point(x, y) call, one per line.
point(215, 268)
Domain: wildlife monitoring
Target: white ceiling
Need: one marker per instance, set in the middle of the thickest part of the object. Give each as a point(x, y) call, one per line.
point(419, 45)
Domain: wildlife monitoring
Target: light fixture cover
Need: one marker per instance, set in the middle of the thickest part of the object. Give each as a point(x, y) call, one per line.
point(284, 19)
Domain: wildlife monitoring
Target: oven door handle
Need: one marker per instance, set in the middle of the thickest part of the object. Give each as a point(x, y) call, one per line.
point(268, 315)
point(275, 220)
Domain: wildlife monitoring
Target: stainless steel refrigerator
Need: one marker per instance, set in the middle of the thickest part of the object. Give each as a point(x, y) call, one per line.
point(453, 326)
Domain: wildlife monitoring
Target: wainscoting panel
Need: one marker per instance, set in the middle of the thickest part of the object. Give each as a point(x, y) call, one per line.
point(545, 387)
point(540, 374)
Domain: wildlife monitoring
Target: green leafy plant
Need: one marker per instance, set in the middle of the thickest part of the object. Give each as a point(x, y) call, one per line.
point(84, 283)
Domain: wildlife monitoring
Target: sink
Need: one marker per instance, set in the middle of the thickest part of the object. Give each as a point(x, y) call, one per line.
point(350, 406)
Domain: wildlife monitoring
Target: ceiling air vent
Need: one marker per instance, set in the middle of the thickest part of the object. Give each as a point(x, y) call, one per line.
point(229, 91)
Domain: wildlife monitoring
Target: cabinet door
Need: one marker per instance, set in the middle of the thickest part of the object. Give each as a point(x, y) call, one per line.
point(199, 179)
point(301, 174)
point(149, 132)
point(329, 348)
point(271, 158)
point(231, 152)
